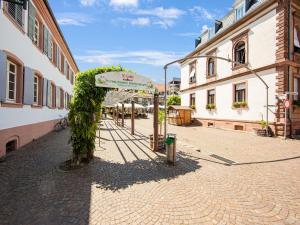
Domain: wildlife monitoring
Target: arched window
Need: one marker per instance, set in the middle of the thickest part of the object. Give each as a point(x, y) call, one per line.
point(240, 53)
point(211, 67)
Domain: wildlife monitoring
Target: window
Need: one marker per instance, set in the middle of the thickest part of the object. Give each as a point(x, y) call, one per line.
point(36, 84)
point(211, 97)
point(239, 12)
point(46, 41)
point(11, 146)
point(240, 92)
point(16, 12)
point(297, 36)
point(211, 67)
point(11, 94)
point(192, 71)
point(240, 53)
point(193, 100)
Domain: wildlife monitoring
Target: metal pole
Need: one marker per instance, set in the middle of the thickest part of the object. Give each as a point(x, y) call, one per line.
point(155, 123)
point(122, 114)
point(165, 121)
point(132, 118)
point(267, 111)
point(285, 123)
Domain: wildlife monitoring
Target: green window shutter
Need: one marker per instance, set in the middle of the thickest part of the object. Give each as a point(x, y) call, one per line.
point(31, 21)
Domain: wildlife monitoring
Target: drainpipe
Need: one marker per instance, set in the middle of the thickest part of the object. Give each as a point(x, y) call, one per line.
point(289, 67)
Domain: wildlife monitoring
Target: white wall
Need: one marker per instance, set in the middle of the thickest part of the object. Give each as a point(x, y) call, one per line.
point(262, 52)
point(261, 47)
point(224, 98)
point(14, 41)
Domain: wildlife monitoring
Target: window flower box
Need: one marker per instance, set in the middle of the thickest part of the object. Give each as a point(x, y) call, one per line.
point(239, 105)
point(193, 107)
point(210, 106)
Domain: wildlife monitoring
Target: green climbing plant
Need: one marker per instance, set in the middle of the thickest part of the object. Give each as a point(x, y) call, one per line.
point(161, 118)
point(84, 112)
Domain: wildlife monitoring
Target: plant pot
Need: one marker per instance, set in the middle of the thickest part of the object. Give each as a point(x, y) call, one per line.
point(161, 141)
point(261, 132)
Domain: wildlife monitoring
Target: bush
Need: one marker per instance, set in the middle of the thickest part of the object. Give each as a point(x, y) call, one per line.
point(174, 100)
point(84, 112)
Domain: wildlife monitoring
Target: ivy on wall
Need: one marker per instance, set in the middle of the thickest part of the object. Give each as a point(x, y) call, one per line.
point(84, 112)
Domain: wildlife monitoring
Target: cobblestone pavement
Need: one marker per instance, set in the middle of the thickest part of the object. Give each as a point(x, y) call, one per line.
point(249, 180)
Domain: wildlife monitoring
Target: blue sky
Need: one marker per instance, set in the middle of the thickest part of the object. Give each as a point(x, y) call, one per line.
point(141, 35)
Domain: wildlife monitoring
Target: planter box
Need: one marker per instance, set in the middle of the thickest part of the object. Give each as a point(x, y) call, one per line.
point(261, 132)
point(161, 141)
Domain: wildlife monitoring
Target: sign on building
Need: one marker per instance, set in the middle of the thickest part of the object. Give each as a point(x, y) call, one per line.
point(124, 80)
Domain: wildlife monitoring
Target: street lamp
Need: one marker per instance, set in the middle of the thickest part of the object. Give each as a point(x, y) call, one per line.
point(224, 59)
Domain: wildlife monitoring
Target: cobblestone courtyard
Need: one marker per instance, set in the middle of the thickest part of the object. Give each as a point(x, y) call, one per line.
point(222, 177)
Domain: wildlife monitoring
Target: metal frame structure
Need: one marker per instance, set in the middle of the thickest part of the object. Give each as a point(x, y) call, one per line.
point(224, 59)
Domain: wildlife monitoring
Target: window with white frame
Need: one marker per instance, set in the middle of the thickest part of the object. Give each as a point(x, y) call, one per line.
point(211, 96)
point(239, 12)
point(36, 90)
point(192, 72)
point(240, 92)
point(16, 12)
point(11, 94)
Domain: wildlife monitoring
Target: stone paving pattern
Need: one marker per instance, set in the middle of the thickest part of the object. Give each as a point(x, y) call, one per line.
point(127, 183)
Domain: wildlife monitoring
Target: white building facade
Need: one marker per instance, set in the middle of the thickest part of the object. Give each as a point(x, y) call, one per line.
point(37, 73)
point(227, 95)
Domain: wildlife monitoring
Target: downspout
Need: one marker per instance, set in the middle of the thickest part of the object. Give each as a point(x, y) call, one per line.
point(289, 67)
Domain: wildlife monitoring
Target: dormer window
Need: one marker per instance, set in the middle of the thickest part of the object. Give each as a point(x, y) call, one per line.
point(192, 74)
point(239, 12)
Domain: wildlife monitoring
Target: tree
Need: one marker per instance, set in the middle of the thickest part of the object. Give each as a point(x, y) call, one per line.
point(84, 112)
point(174, 100)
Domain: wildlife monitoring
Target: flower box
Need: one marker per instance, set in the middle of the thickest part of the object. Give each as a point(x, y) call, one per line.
point(238, 105)
point(210, 106)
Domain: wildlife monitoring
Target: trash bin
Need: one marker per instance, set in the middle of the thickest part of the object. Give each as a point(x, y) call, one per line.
point(171, 148)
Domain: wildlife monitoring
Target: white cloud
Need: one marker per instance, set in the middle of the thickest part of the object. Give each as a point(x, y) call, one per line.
point(200, 13)
point(87, 2)
point(74, 19)
point(160, 12)
point(142, 21)
point(188, 34)
point(148, 57)
point(123, 3)
point(163, 17)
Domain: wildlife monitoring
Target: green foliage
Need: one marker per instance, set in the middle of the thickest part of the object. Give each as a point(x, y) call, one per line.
point(210, 106)
point(193, 106)
point(84, 112)
point(240, 105)
point(263, 124)
point(174, 100)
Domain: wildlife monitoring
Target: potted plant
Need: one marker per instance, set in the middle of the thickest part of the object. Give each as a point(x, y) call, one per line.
point(238, 105)
point(263, 129)
point(210, 106)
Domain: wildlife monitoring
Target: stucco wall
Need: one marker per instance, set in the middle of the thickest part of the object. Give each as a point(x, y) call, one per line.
point(262, 49)
point(19, 44)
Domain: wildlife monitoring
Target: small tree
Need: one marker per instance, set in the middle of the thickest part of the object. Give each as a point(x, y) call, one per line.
point(161, 118)
point(84, 112)
point(174, 100)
